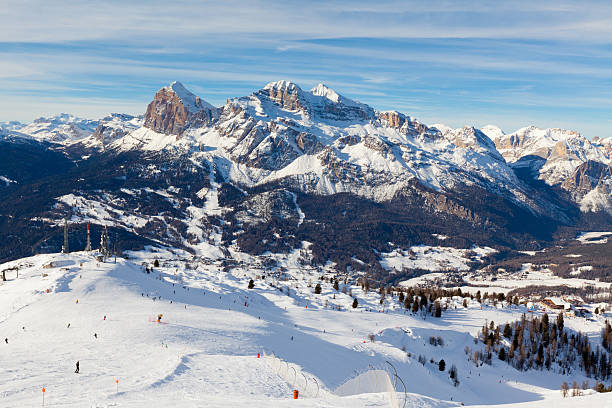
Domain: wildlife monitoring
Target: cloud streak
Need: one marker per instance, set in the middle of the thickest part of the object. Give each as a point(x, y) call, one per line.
point(464, 59)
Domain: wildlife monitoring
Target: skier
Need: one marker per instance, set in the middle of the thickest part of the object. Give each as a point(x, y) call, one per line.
point(77, 367)
point(68, 326)
point(96, 335)
point(6, 340)
point(159, 317)
point(104, 317)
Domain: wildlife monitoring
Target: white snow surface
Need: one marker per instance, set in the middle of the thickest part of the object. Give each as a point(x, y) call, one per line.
point(595, 237)
point(204, 350)
point(432, 258)
point(6, 180)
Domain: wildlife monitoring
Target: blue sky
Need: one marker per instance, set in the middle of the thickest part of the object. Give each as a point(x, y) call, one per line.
point(461, 63)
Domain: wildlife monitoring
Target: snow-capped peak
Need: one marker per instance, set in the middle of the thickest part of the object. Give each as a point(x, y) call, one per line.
point(192, 102)
point(323, 90)
point(492, 131)
point(282, 85)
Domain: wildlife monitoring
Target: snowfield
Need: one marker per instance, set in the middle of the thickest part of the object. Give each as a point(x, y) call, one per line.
point(204, 350)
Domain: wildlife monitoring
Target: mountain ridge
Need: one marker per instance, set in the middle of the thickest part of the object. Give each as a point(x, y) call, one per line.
point(279, 167)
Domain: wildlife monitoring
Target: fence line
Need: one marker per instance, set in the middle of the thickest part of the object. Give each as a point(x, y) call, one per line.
point(289, 373)
point(374, 379)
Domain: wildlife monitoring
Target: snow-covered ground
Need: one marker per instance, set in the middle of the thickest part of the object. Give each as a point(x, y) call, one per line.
point(203, 353)
point(433, 258)
point(598, 237)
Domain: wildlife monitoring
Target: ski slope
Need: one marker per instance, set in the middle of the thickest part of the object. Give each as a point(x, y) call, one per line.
point(203, 353)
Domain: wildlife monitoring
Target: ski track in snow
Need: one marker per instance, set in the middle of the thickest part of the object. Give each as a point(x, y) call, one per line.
point(206, 351)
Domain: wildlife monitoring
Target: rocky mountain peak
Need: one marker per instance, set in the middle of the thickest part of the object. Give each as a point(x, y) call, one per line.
point(285, 94)
point(174, 109)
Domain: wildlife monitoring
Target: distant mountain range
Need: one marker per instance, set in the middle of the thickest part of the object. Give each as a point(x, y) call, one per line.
point(268, 171)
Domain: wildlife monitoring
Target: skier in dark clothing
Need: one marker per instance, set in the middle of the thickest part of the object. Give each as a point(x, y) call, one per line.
point(77, 368)
point(6, 340)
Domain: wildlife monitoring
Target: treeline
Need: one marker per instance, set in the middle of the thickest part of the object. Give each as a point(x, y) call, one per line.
point(433, 300)
point(587, 292)
point(538, 343)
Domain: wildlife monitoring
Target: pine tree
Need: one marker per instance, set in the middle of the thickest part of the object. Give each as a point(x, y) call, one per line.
point(355, 303)
point(415, 306)
point(507, 331)
point(560, 321)
point(318, 289)
point(502, 354)
point(251, 284)
point(336, 286)
point(442, 365)
point(438, 312)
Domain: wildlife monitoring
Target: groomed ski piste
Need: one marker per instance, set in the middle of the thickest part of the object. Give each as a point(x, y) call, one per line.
point(203, 352)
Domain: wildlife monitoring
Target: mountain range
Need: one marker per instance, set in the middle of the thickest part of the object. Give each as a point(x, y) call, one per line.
point(285, 168)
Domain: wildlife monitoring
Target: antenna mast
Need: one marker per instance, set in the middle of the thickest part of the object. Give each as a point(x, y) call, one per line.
point(88, 244)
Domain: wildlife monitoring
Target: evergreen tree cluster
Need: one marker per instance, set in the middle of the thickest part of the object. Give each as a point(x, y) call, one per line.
point(539, 343)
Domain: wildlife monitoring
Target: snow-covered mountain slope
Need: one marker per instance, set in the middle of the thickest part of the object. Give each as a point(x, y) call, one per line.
point(111, 128)
point(604, 144)
point(561, 158)
point(63, 128)
point(326, 143)
point(64, 308)
point(562, 149)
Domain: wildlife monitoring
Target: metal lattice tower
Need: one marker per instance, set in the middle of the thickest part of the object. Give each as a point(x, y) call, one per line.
point(88, 244)
point(65, 249)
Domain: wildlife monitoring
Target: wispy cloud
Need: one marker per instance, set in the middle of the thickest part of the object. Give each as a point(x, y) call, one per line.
point(541, 61)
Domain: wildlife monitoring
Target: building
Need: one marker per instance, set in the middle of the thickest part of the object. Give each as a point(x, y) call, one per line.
point(555, 303)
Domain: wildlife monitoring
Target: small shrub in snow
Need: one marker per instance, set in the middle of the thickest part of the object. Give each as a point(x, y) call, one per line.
point(442, 365)
point(251, 284)
point(453, 375)
point(436, 341)
point(564, 389)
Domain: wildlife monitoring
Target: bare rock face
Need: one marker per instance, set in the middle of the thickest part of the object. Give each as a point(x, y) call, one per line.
point(285, 94)
point(175, 109)
point(586, 177)
point(405, 124)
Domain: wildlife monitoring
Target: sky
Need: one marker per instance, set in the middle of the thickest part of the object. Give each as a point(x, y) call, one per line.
point(512, 64)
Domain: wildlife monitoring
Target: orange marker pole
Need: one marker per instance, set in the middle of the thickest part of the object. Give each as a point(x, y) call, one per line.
point(117, 381)
point(43, 392)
